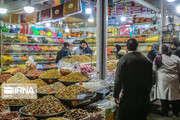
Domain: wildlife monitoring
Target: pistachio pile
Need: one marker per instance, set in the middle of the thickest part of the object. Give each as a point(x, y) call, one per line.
point(17, 78)
point(53, 88)
point(51, 74)
point(45, 105)
point(3, 107)
point(9, 116)
point(17, 101)
point(71, 92)
point(33, 73)
point(27, 118)
point(76, 114)
point(39, 82)
point(74, 77)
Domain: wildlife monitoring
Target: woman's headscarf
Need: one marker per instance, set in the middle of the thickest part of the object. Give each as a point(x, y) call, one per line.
point(155, 47)
point(166, 49)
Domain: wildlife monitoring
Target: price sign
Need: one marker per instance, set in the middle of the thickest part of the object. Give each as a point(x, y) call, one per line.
point(49, 92)
point(50, 81)
point(74, 103)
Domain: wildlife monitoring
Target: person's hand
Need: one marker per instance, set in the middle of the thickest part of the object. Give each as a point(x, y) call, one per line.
point(116, 100)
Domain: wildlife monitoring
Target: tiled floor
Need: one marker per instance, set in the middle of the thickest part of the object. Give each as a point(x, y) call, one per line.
point(154, 113)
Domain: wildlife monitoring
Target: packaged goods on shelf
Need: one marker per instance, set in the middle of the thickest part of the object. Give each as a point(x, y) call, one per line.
point(14, 115)
point(45, 105)
point(71, 92)
point(154, 39)
point(74, 77)
point(10, 70)
point(39, 82)
point(112, 66)
point(7, 59)
point(111, 57)
point(51, 74)
point(54, 88)
point(77, 114)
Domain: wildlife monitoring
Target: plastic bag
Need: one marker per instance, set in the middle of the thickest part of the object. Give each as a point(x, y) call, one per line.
point(76, 67)
point(30, 64)
point(64, 67)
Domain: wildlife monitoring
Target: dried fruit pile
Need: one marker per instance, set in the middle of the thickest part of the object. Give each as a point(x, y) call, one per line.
point(76, 114)
point(71, 92)
point(27, 118)
point(33, 73)
point(45, 105)
point(22, 70)
point(3, 107)
point(5, 77)
point(92, 109)
point(9, 115)
point(53, 88)
point(56, 118)
point(17, 101)
point(74, 77)
point(51, 74)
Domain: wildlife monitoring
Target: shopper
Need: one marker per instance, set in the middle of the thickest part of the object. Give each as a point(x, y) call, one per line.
point(134, 79)
point(177, 45)
point(168, 83)
point(83, 49)
point(64, 52)
point(154, 51)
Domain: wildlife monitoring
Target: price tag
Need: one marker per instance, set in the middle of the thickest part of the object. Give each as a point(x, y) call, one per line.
point(74, 103)
point(34, 77)
point(50, 81)
point(49, 92)
point(98, 72)
point(88, 77)
point(80, 83)
point(56, 111)
point(34, 114)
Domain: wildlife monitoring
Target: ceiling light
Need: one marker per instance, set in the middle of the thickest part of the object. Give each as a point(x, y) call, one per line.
point(66, 28)
point(3, 10)
point(29, 8)
point(91, 19)
point(48, 24)
point(123, 19)
point(171, 0)
point(178, 9)
point(88, 10)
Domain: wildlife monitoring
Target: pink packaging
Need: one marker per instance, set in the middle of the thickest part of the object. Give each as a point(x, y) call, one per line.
point(54, 34)
point(126, 29)
point(121, 31)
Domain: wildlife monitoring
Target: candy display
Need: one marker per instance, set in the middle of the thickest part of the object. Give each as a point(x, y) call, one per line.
point(35, 73)
point(17, 78)
point(53, 88)
point(17, 101)
point(5, 77)
point(77, 114)
point(51, 74)
point(45, 105)
point(3, 107)
point(71, 92)
point(39, 82)
point(21, 70)
point(10, 116)
point(74, 77)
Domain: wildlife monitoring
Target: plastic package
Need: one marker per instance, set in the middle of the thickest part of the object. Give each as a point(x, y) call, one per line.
point(98, 116)
point(30, 64)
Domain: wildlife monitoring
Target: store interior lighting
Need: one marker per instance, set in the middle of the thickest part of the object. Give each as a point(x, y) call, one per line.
point(3, 10)
point(29, 8)
point(91, 19)
point(88, 10)
point(123, 19)
point(48, 24)
point(178, 9)
point(171, 0)
point(66, 28)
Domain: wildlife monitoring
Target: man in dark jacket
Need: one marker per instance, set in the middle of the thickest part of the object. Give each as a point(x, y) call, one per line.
point(83, 49)
point(177, 45)
point(134, 80)
point(64, 52)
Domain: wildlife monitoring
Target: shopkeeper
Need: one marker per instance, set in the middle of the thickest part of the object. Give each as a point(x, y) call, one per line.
point(83, 48)
point(64, 52)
